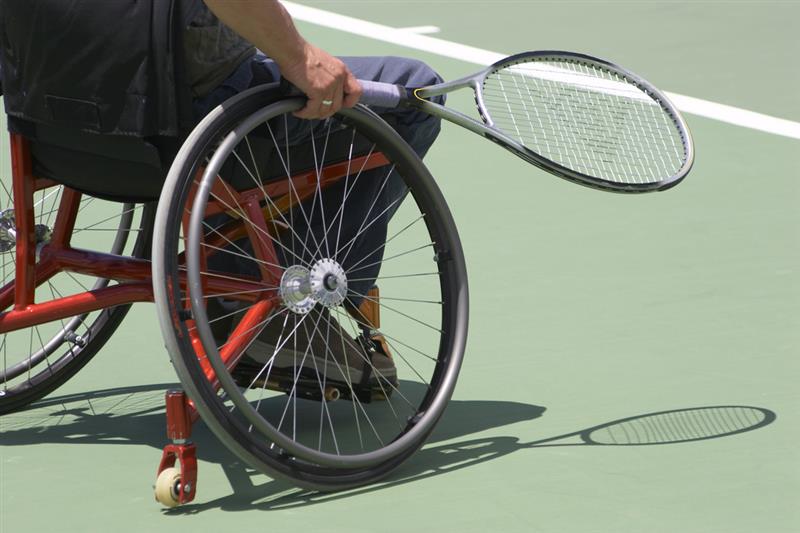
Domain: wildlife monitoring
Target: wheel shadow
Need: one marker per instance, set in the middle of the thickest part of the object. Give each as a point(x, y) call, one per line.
point(135, 416)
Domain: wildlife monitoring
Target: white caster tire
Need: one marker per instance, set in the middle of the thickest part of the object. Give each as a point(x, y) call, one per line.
point(168, 487)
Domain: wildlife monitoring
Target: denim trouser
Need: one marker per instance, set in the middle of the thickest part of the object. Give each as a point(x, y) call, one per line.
point(418, 129)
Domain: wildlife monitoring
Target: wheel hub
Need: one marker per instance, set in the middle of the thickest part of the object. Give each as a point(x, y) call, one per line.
point(325, 283)
point(328, 282)
point(295, 289)
point(8, 232)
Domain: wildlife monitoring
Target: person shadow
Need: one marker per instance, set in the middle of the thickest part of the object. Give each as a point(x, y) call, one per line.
point(135, 416)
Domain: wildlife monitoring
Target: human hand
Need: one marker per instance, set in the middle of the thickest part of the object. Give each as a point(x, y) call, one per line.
point(325, 80)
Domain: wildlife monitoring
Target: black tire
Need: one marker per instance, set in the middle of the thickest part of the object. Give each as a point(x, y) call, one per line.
point(54, 355)
point(247, 417)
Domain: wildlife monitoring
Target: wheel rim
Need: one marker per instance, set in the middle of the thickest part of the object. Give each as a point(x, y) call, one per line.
point(434, 383)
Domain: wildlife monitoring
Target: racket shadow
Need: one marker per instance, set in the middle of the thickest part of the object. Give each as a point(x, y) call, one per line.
point(668, 427)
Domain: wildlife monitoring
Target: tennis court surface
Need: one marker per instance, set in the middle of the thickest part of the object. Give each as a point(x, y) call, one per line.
point(632, 362)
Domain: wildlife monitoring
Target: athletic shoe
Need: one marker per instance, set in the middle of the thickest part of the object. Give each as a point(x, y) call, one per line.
point(331, 357)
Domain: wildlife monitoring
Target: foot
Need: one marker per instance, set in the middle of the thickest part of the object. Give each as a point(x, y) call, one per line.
point(319, 349)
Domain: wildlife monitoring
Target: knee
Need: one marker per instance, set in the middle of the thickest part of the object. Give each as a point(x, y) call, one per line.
point(421, 74)
point(418, 128)
point(406, 71)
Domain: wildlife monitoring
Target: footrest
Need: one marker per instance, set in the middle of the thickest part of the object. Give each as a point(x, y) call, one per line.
point(308, 387)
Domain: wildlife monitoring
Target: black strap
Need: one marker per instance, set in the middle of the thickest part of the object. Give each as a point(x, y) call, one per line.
point(366, 369)
point(185, 12)
point(366, 374)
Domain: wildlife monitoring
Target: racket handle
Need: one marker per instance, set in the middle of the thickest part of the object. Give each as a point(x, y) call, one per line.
point(375, 93)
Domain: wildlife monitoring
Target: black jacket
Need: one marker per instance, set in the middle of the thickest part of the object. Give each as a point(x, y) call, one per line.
point(98, 66)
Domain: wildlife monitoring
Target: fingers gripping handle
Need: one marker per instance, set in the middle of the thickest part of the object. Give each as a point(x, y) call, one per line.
point(379, 94)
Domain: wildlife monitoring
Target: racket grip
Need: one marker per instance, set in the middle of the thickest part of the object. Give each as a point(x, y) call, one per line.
point(374, 93)
point(377, 94)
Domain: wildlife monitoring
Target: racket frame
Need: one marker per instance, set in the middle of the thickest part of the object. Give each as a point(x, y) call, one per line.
point(418, 98)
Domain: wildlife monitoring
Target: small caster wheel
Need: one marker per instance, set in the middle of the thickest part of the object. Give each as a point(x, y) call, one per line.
point(168, 487)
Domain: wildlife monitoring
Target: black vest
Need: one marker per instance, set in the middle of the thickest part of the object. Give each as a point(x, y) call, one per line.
point(99, 66)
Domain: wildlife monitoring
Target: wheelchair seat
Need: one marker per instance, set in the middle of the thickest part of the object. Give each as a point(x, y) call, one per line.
point(111, 167)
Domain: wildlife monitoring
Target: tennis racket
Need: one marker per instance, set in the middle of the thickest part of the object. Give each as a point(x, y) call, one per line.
point(576, 116)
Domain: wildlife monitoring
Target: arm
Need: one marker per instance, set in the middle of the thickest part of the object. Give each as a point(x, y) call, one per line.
point(267, 25)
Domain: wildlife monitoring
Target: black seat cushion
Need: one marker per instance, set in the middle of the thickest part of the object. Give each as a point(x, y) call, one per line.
point(119, 168)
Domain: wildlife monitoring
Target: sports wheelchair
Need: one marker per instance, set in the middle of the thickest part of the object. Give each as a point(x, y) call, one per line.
point(239, 240)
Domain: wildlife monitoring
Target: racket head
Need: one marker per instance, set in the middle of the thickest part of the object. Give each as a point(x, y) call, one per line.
point(585, 119)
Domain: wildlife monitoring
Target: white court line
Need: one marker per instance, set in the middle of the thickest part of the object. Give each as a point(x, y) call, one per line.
point(470, 54)
point(421, 29)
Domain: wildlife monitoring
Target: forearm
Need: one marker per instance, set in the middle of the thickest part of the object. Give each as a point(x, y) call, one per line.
point(266, 24)
point(326, 81)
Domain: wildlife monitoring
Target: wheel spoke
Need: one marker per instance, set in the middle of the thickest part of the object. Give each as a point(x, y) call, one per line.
point(270, 202)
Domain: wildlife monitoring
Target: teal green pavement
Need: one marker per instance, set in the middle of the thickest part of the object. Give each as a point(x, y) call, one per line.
point(586, 308)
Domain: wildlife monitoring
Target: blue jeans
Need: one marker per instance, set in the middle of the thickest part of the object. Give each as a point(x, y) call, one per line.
point(418, 129)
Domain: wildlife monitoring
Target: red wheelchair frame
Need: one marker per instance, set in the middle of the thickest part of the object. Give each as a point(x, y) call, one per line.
point(134, 278)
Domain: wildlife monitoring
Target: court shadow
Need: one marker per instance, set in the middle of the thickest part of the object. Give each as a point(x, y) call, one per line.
point(660, 428)
point(134, 416)
point(118, 416)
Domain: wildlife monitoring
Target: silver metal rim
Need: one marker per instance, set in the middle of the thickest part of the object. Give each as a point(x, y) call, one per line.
point(425, 421)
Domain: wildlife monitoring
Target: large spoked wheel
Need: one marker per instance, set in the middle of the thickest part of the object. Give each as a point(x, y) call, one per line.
point(311, 289)
point(37, 360)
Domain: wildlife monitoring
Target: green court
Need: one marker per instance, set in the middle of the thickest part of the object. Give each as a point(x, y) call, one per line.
point(586, 308)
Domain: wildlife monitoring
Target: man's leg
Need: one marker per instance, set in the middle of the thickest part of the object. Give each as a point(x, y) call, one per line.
point(418, 129)
point(361, 230)
point(378, 193)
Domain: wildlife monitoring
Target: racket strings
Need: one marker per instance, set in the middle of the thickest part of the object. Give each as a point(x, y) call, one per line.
point(519, 111)
point(585, 118)
point(680, 426)
point(609, 133)
point(552, 133)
